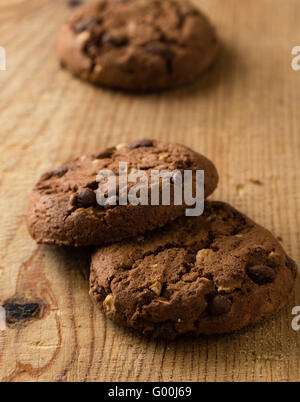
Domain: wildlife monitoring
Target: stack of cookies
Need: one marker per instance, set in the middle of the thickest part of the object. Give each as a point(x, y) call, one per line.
point(154, 269)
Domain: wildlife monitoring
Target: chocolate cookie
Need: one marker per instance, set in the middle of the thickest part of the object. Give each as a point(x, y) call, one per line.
point(137, 44)
point(63, 208)
point(215, 273)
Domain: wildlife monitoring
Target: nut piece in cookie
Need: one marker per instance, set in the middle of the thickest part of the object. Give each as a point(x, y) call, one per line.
point(86, 197)
point(156, 288)
point(109, 303)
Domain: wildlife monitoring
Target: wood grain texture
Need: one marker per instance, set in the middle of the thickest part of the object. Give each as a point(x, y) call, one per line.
point(244, 114)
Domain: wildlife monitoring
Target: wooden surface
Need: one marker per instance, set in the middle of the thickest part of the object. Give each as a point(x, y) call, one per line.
point(244, 114)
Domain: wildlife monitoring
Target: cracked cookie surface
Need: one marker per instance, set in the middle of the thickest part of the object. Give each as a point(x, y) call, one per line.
point(137, 44)
point(215, 273)
point(63, 209)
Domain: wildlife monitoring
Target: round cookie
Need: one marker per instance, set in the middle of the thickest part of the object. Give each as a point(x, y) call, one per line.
point(211, 274)
point(137, 44)
point(63, 208)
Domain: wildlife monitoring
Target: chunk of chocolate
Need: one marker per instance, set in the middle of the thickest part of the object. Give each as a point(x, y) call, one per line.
point(261, 274)
point(86, 197)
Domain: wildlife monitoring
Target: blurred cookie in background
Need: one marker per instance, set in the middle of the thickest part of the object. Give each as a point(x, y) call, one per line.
point(137, 45)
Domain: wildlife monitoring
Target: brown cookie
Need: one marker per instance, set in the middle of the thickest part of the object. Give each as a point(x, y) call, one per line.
point(137, 44)
point(63, 208)
point(215, 273)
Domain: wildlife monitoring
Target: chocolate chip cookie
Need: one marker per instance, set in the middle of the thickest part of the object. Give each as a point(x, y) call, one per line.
point(64, 209)
point(137, 44)
point(215, 273)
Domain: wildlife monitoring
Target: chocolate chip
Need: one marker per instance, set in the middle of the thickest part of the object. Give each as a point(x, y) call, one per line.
point(74, 3)
point(19, 310)
point(115, 40)
point(157, 48)
point(86, 197)
point(162, 50)
point(219, 305)
point(107, 153)
point(57, 172)
point(83, 25)
point(93, 185)
point(140, 143)
point(261, 274)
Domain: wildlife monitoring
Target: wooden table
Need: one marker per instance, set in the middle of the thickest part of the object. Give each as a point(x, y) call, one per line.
point(244, 114)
